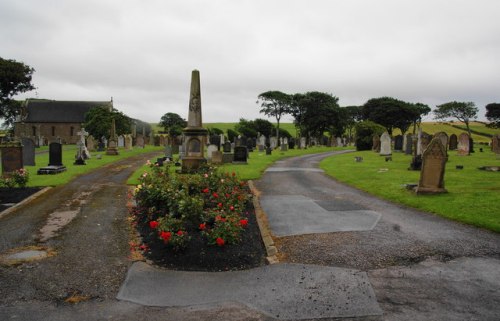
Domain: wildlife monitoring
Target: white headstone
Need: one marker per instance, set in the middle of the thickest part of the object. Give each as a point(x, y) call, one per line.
point(211, 148)
point(121, 141)
point(385, 144)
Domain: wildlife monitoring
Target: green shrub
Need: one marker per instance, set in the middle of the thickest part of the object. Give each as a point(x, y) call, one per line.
point(364, 134)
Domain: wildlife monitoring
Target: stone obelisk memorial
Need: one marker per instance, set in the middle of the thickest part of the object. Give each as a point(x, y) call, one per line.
point(194, 134)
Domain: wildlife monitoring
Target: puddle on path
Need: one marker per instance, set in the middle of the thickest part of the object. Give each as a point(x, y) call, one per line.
point(25, 254)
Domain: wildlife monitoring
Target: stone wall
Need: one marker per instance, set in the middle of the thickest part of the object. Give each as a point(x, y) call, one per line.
point(51, 131)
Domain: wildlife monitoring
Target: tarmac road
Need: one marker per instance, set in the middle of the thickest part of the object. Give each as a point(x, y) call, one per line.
point(421, 266)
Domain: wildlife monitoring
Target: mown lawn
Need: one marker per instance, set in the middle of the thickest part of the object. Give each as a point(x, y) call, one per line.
point(473, 195)
point(72, 171)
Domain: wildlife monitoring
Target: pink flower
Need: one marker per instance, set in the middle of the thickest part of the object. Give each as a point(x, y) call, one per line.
point(231, 208)
point(180, 233)
point(215, 195)
point(219, 205)
point(244, 223)
point(220, 241)
point(153, 224)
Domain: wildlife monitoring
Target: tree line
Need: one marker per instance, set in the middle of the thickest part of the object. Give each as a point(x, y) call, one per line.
point(314, 113)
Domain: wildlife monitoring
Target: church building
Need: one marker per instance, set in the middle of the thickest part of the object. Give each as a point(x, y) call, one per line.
point(47, 121)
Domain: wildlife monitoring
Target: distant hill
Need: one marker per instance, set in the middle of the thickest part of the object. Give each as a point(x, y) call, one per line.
point(481, 133)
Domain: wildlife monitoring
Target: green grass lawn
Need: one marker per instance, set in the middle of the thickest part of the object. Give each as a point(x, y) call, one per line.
point(473, 195)
point(72, 171)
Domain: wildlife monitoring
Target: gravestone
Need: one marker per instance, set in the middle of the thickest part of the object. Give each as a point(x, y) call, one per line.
point(250, 145)
point(425, 139)
point(221, 139)
point(215, 140)
point(139, 142)
point(121, 141)
point(453, 145)
point(273, 142)
point(91, 143)
point(182, 152)
point(443, 137)
point(128, 142)
point(226, 148)
point(41, 141)
point(376, 143)
point(471, 145)
point(398, 143)
point(217, 157)
point(237, 141)
point(12, 157)
point(302, 143)
point(240, 155)
point(269, 150)
point(210, 149)
point(495, 147)
point(261, 143)
point(55, 161)
point(113, 140)
point(162, 140)
point(168, 152)
point(81, 149)
point(463, 144)
point(28, 151)
point(385, 144)
point(433, 166)
point(176, 149)
point(105, 141)
point(227, 158)
point(339, 142)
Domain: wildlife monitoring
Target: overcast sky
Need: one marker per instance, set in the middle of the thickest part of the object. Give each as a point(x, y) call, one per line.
point(141, 53)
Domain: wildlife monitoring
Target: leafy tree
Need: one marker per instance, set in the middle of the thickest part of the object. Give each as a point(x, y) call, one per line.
point(263, 126)
point(353, 114)
point(142, 127)
point(318, 111)
point(231, 135)
point(389, 112)
point(275, 104)
point(493, 115)
point(420, 111)
point(98, 122)
point(15, 78)
point(246, 128)
point(298, 110)
point(215, 131)
point(463, 111)
point(364, 134)
point(285, 133)
point(173, 124)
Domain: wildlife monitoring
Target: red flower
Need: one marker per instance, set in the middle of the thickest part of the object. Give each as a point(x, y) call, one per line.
point(234, 174)
point(219, 205)
point(214, 194)
point(203, 226)
point(180, 233)
point(244, 223)
point(231, 208)
point(153, 224)
point(227, 195)
point(165, 236)
point(220, 241)
point(206, 190)
point(220, 218)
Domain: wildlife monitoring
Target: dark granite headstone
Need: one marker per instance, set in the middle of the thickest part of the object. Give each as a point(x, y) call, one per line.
point(55, 161)
point(453, 145)
point(269, 150)
point(28, 152)
point(398, 142)
point(240, 154)
point(168, 152)
point(227, 147)
point(409, 144)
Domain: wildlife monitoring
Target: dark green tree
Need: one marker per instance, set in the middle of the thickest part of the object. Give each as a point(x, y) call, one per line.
point(215, 131)
point(420, 110)
point(319, 113)
point(98, 122)
point(15, 78)
point(364, 134)
point(463, 111)
point(297, 110)
point(263, 126)
point(388, 112)
point(275, 104)
point(246, 128)
point(231, 135)
point(353, 114)
point(493, 115)
point(173, 124)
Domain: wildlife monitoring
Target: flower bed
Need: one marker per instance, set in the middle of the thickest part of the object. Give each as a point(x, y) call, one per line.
point(202, 221)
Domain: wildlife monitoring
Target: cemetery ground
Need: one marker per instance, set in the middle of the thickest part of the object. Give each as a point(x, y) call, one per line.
point(419, 265)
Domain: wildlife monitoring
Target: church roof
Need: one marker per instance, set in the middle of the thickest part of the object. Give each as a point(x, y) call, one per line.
point(52, 111)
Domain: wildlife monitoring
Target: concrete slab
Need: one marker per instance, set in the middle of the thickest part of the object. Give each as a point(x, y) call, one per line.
point(283, 291)
point(340, 205)
point(298, 214)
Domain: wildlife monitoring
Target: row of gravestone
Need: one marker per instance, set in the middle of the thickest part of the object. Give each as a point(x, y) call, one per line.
point(463, 143)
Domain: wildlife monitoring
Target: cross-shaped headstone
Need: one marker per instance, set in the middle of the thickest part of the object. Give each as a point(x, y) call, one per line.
point(82, 133)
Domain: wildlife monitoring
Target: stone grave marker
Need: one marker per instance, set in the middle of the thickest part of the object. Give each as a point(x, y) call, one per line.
point(339, 142)
point(398, 143)
point(273, 142)
point(240, 155)
point(453, 145)
point(433, 166)
point(162, 140)
point(28, 151)
point(443, 137)
point(385, 145)
point(139, 141)
point(55, 160)
point(226, 148)
point(495, 145)
point(12, 157)
point(463, 144)
point(425, 139)
point(90, 143)
point(302, 143)
point(211, 148)
point(217, 157)
point(157, 141)
point(237, 141)
point(269, 150)
point(128, 142)
point(376, 143)
point(169, 152)
point(261, 143)
point(121, 141)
